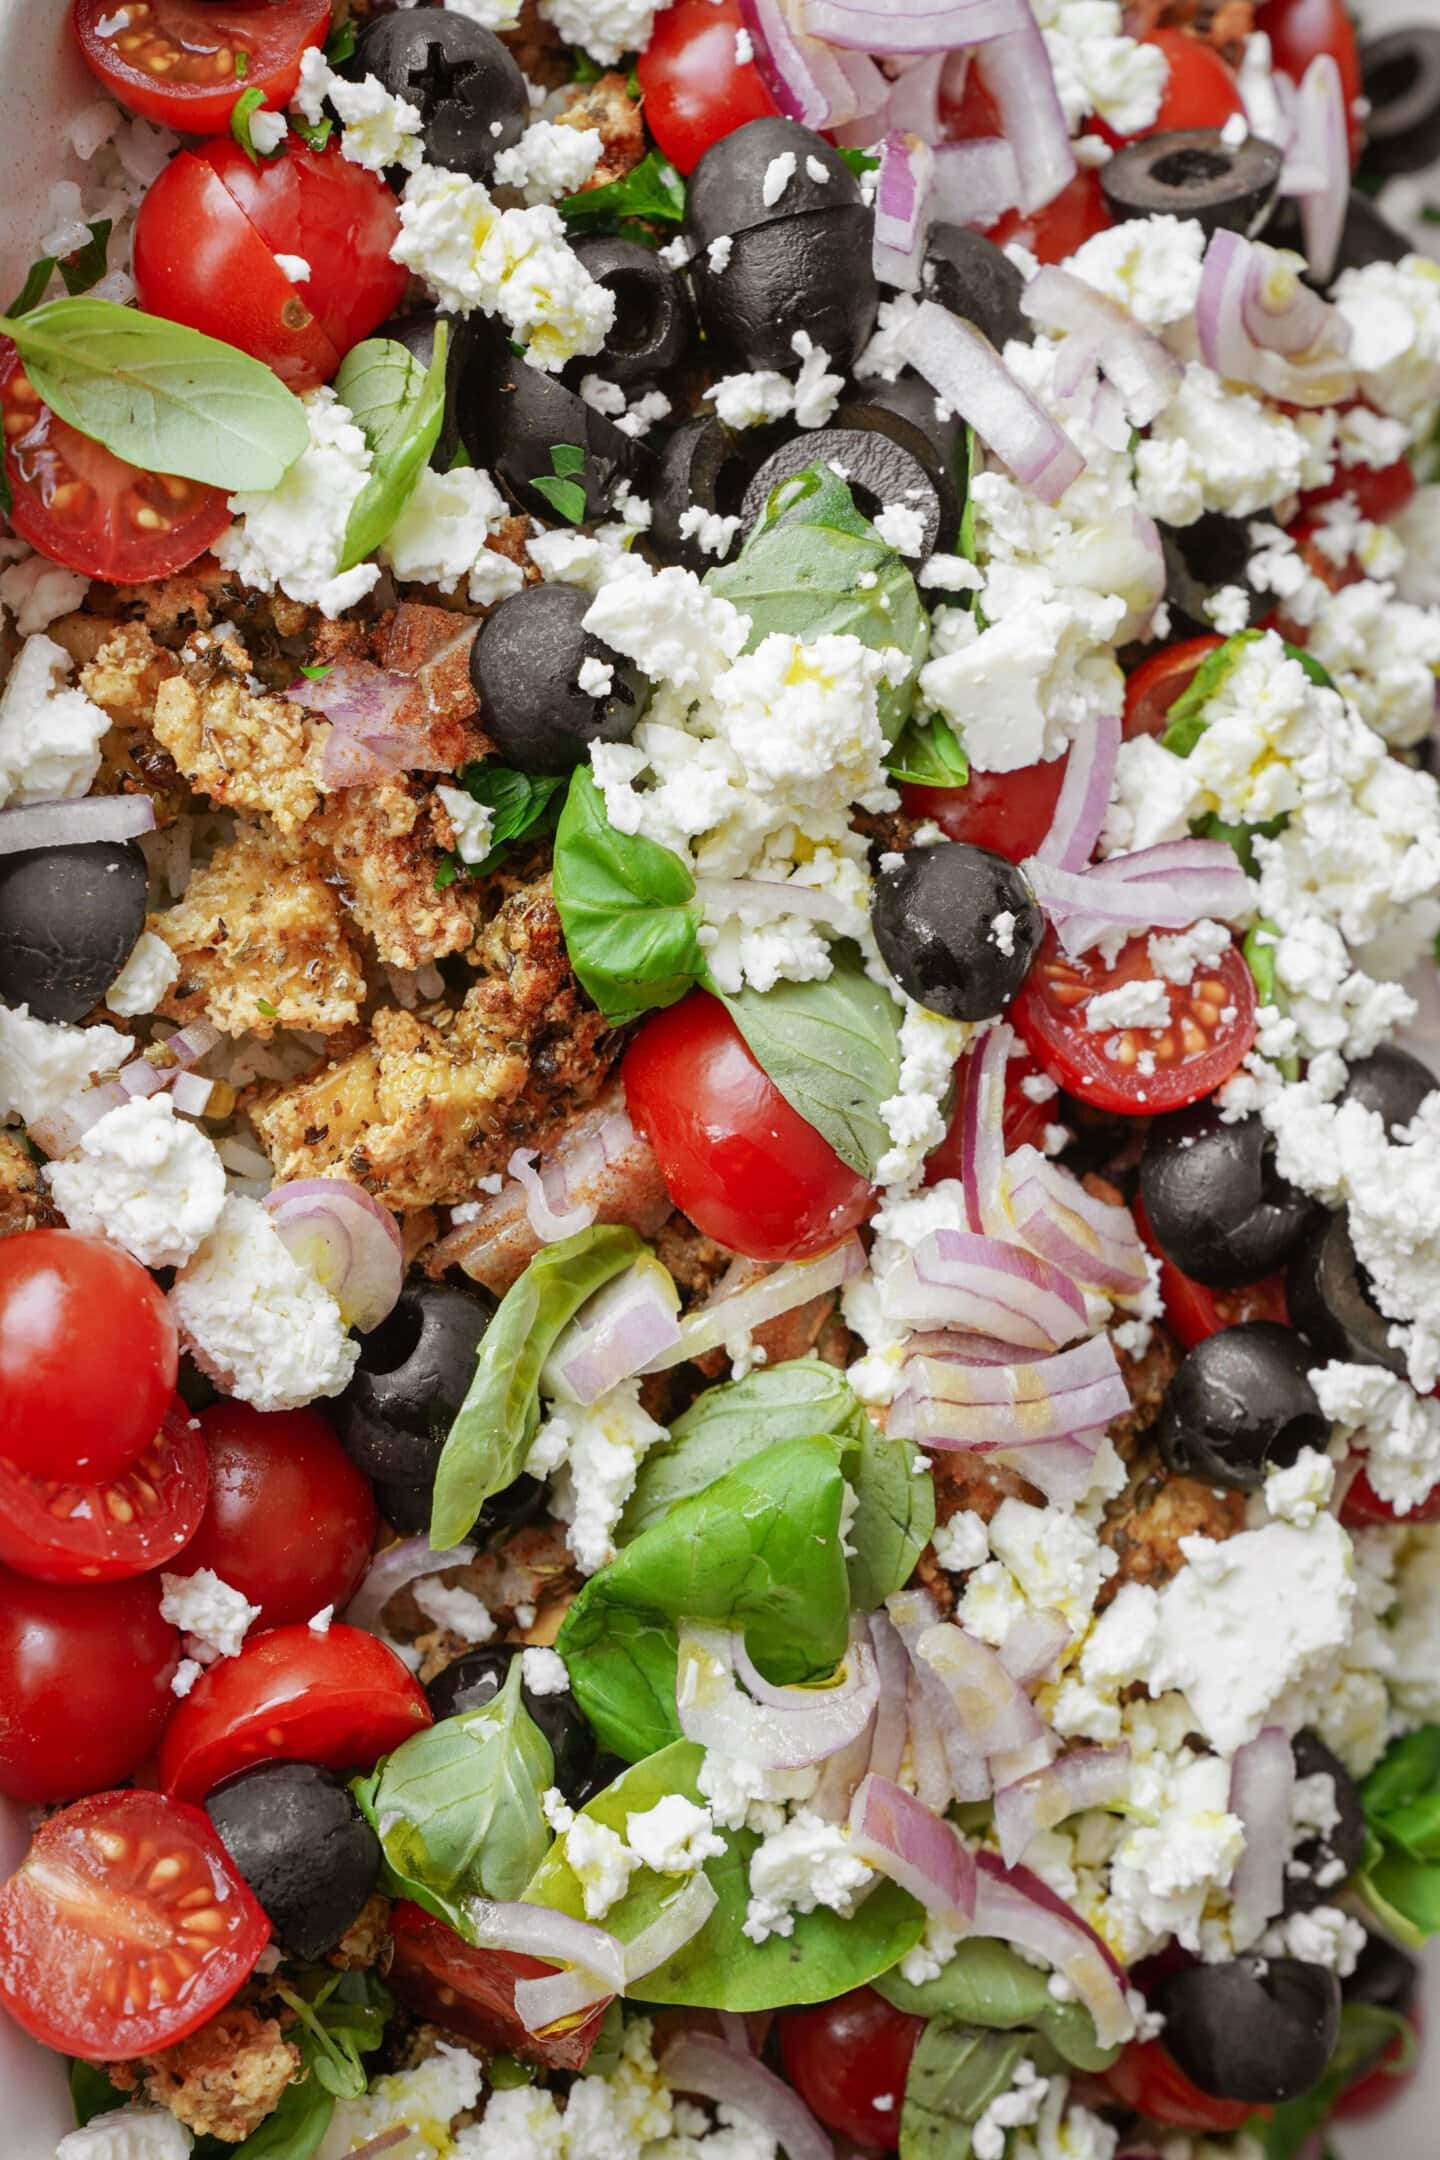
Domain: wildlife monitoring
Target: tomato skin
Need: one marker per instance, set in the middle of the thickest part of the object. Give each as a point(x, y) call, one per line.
point(1379, 493)
point(124, 1891)
point(1200, 92)
point(340, 1699)
point(85, 1672)
point(1153, 687)
point(1362, 1507)
point(444, 1979)
point(1148, 2079)
point(1007, 812)
point(735, 1157)
point(695, 89)
point(1055, 232)
point(288, 1519)
point(844, 2056)
point(88, 1355)
point(79, 1531)
point(1300, 29)
point(198, 97)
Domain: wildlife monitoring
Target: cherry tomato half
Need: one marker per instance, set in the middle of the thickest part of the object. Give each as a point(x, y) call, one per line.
point(1148, 2079)
point(88, 1355)
point(1007, 812)
point(174, 61)
point(67, 1530)
point(441, 1977)
point(744, 1166)
point(1300, 29)
point(125, 1927)
point(85, 1672)
point(848, 2060)
point(341, 1699)
point(1193, 1310)
point(695, 88)
point(1201, 90)
point(1054, 233)
point(1212, 1025)
point(1362, 1507)
point(81, 505)
point(1153, 687)
point(1380, 492)
point(289, 1519)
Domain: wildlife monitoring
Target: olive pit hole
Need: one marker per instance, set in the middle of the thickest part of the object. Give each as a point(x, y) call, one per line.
point(634, 324)
point(1186, 168)
point(1394, 79)
point(387, 1347)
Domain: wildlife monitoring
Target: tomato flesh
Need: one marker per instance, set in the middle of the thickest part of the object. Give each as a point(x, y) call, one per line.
point(1055, 232)
point(125, 1927)
point(1148, 2079)
point(444, 1979)
point(69, 1530)
point(178, 61)
point(1363, 1507)
point(744, 1166)
point(1212, 1025)
point(695, 88)
point(1379, 492)
point(85, 1672)
point(340, 1699)
point(1201, 90)
point(848, 2060)
point(1153, 687)
point(1007, 812)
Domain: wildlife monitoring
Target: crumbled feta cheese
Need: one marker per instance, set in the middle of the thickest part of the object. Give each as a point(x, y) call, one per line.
point(752, 399)
point(1097, 68)
point(718, 253)
point(949, 573)
point(902, 527)
point(1056, 1559)
point(1162, 1873)
point(144, 1179)
point(185, 1675)
point(915, 1118)
point(268, 133)
point(962, 1543)
point(799, 1868)
point(1300, 1492)
point(1155, 796)
point(295, 267)
point(376, 129)
point(746, 1795)
point(674, 1837)
point(319, 1622)
point(1214, 448)
point(1393, 310)
point(425, 2100)
point(606, 29)
point(1139, 1004)
point(256, 1321)
point(49, 734)
point(593, 1453)
point(1150, 265)
point(490, 14)
point(712, 533)
point(36, 590)
point(601, 1862)
point(127, 2133)
point(596, 677)
point(439, 537)
point(1398, 1429)
point(452, 1607)
point(42, 1064)
point(292, 537)
point(543, 1672)
point(472, 823)
point(1008, 2111)
point(211, 1614)
point(550, 160)
point(145, 977)
point(777, 177)
point(1324, 1936)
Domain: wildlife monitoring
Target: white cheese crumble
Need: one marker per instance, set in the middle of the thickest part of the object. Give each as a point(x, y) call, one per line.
point(550, 160)
point(36, 590)
point(471, 822)
point(962, 1543)
point(452, 1607)
point(213, 1616)
point(1150, 265)
point(376, 129)
point(256, 1321)
point(543, 1672)
point(292, 537)
point(777, 177)
point(49, 734)
point(1139, 1004)
point(593, 1453)
point(799, 1868)
point(130, 2133)
point(145, 977)
point(1398, 1429)
point(439, 537)
point(606, 29)
point(601, 1862)
point(144, 1179)
point(675, 1837)
point(1214, 448)
point(712, 533)
point(295, 267)
point(43, 1063)
point(1301, 1491)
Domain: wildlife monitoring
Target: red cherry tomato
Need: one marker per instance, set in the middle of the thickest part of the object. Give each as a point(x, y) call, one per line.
point(695, 89)
point(85, 1674)
point(1380, 493)
point(1148, 2079)
point(1023, 1121)
point(973, 111)
point(125, 1927)
point(1390, 2077)
point(1053, 234)
point(174, 61)
point(1193, 1310)
point(289, 1520)
point(448, 1982)
point(341, 1699)
point(1362, 1507)
point(735, 1157)
point(1201, 90)
point(1008, 812)
point(81, 505)
point(207, 236)
point(1298, 30)
point(1212, 1025)
point(64, 1530)
point(88, 1355)
point(848, 2060)
point(1153, 687)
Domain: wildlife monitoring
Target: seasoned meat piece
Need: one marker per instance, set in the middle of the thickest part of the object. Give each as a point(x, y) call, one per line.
point(606, 104)
point(432, 645)
point(262, 943)
point(695, 1261)
point(364, 1942)
point(24, 1202)
point(197, 599)
point(221, 2082)
point(1143, 1526)
point(384, 843)
point(239, 746)
point(1147, 1378)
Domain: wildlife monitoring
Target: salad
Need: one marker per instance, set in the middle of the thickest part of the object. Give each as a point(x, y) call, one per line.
point(719, 1190)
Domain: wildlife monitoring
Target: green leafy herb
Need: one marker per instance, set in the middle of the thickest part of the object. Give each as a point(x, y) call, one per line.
point(242, 112)
point(457, 1808)
point(241, 65)
point(447, 873)
point(340, 45)
point(567, 459)
point(1186, 721)
point(931, 755)
point(814, 567)
point(759, 1549)
point(720, 1968)
point(1259, 951)
point(1401, 1872)
point(342, 2016)
point(987, 1983)
point(1366, 2031)
point(160, 394)
point(316, 672)
point(399, 407)
point(634, 88)
point(1241, 838)
point(967, 515)
point(861, 161)
point(500, 1415)
point(833, 1050)
point(91, 2092)
point(586, 70)
point(519, 803)
point(653, 189)
point(627, 907)
point(263, 1005)
point(954, 2075)
point(314, 132)
point(564, 493)
point(78, 272)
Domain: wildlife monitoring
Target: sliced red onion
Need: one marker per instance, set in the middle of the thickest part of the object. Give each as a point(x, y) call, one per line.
point(1084, 794)
point(1015, 68)
point(995, 1713)
point(614, 1334)
point(1144, 373)
point(902, 210)
point(1013, 1905)
point(191, 1092)
point(720, 1319)
point(976, 181)
point(892, 1665)
point(347, 1240)
point(1084, 1777)
point(980, 1104)
point(407, 1561)
point(678, 1922)
point(1094, 1241)
point(734, 2031)
point(869, 89)
point(964, 1349)
point(1262, 1790)
point(918, 26)
point(989, 1407)
point(701, 2063)
point(548, 1226)
point(1241, 276)
point(389, 2142)
point(370, 736)
point(192, 1042)
point(901, 1838)
point(961, 1279)
point(1032, 1648)
point(1064, 1470)
point(1322, 136)
point(800, 73)
point(1139, 892)
point(75, 822)
point(790, 1728)
point(539, 1931)
point(141, 1078)
point(928, 1760)
point(60, 1131)
point(968, 373)
point(840, 1775)
point(913, 104)
point(1283, 315)
point(760, 899)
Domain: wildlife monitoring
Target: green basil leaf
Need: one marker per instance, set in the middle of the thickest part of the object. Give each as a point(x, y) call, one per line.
point(398, 407)
point(627, 907)
point(78, 272)
point(295, 2128)
point(967, 515)
point(497, 1421)
point(1409, 1888)
point(160, 394)
point(931, 755)
point(653, 189)
point(342, 2017)
point(1241, 838)
point(567, 460)
point(861, 161)
point(565, 497)
point(759, 1549)
point(1415, 1827)
point(1408, 1770)
point(91, 2092)
point(519, 803)
point(242, 112)
point(833, 1050)
point(987, 1983)
point(720, 1968)
point(314, 132)
point(954, 2075)
point(340, 44)
point(1186, 723)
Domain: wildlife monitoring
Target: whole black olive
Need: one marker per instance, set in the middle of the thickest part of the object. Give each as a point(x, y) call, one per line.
point(972, 277)
point(468, 88)
point(407, 1508)
point(70, 918)
point(957, 927)
point(887, 461)
point(413, 1374)
point(1217, 1205)
point(1215, 551)
point(304, 1848)
point(1384, 1975)
point(1327, 1293)
point(1365, 237)
point(768, 170)
point(417, 334)
point(704, 465)
point(603, 1772)
point(513, 417)
point(528, 665)
point(1195, 173)
point(1260, 2029)
point(1390, 1082)
point(1241, 1405)
point(653, 320)
point(1401, 75)
point(809, 273)
point(1321, 1865)
point(477, 1678)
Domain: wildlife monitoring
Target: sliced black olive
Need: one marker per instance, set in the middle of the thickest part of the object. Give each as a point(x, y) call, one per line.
point(972, 277)
point(408, 1507)
point(1320, 1866)
point(1384, 1975)
point(477, 1678)
point(513, 417)
point(957, 927)
point(1201, 558)
point(1195, 173)
point(1390, 1082)
point(1327, 1293)
point(1401, 74)
point(467, 86)
point(1217, 1205)
point(808, 273)
point(915, 400)
point(1260, 2029)
point(1241, 1405)
point(417, 334)
point(885, 459)
point(304, 1848)
point(526, 665)
point(727, 191)
point(413, 1374)
point(704, 465)
point(69, 920)
point(653, 318)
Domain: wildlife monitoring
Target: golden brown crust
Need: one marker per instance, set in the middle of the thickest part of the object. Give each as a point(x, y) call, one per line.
point(1144, 1525)
point(387, 844)
point(606, 104)
point(239, 746)
point(366, 1940)
point(24, 1202)
point(221, 2082)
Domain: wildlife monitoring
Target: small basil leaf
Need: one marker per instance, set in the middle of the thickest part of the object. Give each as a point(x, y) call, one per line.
point(340, 44)
point(1408, 1770)
point(567, 459)
point(565, 497)
point(653, 189)
point(242, 112)
point(1186, 721)
point(399, 407)
point(954, 2075)
point(519, 803)
point(931, 755)
point(627, 907)
point(78, 272)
